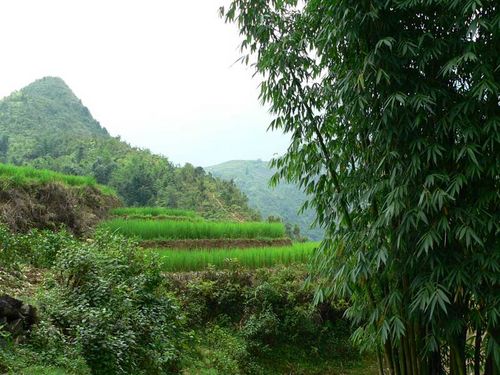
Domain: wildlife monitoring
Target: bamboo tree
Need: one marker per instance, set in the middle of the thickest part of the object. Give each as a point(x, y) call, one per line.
point(393, 111)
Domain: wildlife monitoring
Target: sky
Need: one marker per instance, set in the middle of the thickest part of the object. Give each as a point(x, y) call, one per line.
point(161, 74)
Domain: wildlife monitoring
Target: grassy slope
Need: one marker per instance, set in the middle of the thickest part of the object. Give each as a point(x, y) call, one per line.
point(252, 177)
point(19, 176)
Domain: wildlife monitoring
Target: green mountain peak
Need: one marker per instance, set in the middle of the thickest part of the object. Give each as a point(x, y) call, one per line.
point(48, 106)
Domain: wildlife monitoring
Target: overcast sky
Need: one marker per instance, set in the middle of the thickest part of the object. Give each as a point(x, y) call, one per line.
point(159, 73)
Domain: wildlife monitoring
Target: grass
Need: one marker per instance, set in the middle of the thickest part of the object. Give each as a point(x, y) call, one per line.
point(259, 257)
point(20, 176)
point(152, 211)
point(165, 230)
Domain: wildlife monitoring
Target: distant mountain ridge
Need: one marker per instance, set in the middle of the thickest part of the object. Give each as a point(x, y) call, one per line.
point(45, 125)
point(252, 177)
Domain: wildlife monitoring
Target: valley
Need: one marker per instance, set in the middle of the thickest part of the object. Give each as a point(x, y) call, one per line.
point(345, 220)
point(126, 261)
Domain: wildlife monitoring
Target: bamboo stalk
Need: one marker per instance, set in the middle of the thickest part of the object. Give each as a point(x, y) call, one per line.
point(389, 357)
point(380, 363)
point(402, 360)
point(477, 352)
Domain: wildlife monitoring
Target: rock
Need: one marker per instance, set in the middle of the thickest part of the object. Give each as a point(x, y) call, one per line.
point(16, 317)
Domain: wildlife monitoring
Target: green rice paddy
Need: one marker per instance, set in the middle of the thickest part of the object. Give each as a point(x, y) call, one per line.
point(157, 223)
point(20, 176)
point(165, 229)
point(195, 260)
point(152, 211)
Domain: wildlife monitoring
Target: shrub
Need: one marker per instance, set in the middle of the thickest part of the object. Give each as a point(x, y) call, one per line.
point(110, 301)
point(48, 352)
point(267, 308)
point(215, 295)
point(220, 350)
point(37, 247)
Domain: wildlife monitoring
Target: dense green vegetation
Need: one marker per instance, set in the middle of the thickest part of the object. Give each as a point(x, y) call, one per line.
point(45, 125)
point(166, 229)
point(105, 307)
point(19, 176)
point(262, 322)
point(284, 200)
point(258, 257)
point(103, 310)
point(393, 112)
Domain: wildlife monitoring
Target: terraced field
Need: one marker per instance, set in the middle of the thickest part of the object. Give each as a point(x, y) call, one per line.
point(152, 211)
point(256, 257)
point(170, 229)
point(186, 242)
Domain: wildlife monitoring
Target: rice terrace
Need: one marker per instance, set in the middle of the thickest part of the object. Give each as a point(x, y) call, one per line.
point(257, 187)
point(156, 228)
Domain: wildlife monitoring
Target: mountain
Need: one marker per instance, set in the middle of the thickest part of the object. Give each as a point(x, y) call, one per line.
point(46, 106)
point(252, 177)
point(44, 125)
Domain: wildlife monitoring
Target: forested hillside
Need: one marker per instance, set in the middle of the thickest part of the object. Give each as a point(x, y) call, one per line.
point(46, 126)
point(284, 200)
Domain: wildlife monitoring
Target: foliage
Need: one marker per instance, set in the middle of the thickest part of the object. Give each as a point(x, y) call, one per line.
point(110, 301)
point(166, 229)
point(45, 126)
point(393, 112)
point(219, 350)
point(258, 314)
point(291, 232)
point(38, 248)
point(105, 309)
point(283, 200)
point(47, 353)
point(193, 260)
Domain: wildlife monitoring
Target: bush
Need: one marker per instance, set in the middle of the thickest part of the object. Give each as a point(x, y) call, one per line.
point(48, 352)
point(110, 301)
point(220, 350)
point(268, 309)
point(214, 295)
point(37, 247)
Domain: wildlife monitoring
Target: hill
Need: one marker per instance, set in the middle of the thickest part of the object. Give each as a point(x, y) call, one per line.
point(252, 177)
point(44, 125)
point(46, 106)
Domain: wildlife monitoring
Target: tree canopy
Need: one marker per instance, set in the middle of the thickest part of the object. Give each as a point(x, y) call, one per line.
point(393, 110)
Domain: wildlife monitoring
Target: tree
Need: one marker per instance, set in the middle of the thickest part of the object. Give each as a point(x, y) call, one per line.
point(393, 111)
point(4, 147)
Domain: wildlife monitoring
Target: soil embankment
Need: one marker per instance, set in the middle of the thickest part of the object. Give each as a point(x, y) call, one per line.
point(53, 206)
point(222, 243)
